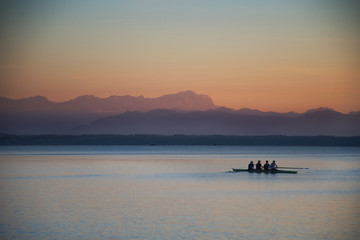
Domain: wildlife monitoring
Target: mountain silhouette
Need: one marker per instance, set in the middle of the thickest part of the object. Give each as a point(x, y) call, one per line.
point(186, 100)
point(38, 115)
point(180, 113)
point(169, 122)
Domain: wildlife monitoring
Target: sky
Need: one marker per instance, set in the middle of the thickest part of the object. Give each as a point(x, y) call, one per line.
point(271, 55)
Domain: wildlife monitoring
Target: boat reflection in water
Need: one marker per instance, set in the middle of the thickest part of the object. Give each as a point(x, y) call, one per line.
point(264, 171)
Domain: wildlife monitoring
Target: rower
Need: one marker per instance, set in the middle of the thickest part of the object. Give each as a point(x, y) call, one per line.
point(266, 165)
point(258, 165)
point(273, 165)
point(251, 166)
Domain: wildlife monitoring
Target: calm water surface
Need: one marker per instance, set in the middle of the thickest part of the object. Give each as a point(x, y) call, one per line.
point(177, 192)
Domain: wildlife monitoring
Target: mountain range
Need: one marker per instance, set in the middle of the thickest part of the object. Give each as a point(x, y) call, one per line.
point(182, 113)
point(89, 104)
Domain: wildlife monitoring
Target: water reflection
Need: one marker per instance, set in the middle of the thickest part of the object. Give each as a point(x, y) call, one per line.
point(177, 197)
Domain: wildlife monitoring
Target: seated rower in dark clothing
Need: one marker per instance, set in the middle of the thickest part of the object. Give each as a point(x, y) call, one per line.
point(266, 165)
point(273, 165)
point(251, 166)
point(258, 165)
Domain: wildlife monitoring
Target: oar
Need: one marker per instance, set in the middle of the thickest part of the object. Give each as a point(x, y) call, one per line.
point(293, 168)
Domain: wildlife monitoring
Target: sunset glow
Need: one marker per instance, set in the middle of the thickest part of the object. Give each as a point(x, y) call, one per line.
point(267, 55)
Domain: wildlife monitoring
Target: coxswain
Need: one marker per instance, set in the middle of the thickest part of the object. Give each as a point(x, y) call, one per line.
point(258, 165)
point(266, 165)
point(251, 166)
point(273, 165)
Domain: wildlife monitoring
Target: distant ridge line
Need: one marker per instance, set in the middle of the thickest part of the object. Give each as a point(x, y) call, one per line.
point(204, 102)
point(185, 100)
point(185, 113)
point(155, 140)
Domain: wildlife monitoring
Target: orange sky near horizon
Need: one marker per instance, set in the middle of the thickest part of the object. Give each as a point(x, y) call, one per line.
point(269, 55)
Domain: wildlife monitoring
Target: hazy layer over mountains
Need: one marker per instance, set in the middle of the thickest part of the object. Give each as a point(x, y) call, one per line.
point(181, 113)
point(188, 101)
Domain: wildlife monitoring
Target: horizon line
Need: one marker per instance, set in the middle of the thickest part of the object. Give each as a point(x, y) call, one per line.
point(184, 91)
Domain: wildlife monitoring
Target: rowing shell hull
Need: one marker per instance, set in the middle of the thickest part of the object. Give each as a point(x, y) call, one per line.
point(264, 171)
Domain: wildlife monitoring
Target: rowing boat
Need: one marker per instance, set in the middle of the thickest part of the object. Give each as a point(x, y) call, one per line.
point(264, 171)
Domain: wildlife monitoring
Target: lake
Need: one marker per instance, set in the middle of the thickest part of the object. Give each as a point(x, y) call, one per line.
point(177, 192)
